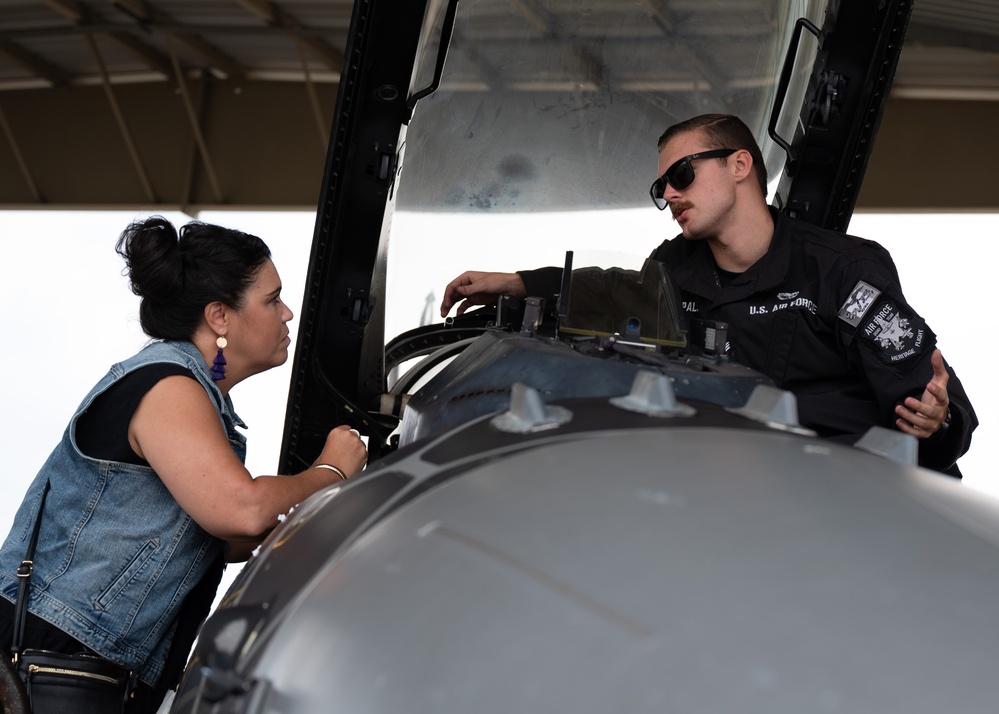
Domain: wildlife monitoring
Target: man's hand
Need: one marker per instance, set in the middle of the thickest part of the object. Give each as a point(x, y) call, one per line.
point(476, 288)
point(923, 417)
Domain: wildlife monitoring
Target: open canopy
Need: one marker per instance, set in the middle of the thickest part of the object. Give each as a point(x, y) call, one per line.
point(493, 108)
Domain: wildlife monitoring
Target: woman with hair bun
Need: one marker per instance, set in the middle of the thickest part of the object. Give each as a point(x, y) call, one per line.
point(146, 495)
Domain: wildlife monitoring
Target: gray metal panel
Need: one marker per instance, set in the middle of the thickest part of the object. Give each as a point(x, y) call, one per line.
point(686, 569)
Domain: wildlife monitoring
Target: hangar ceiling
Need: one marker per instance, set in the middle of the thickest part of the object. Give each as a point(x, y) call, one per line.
point(197, 104)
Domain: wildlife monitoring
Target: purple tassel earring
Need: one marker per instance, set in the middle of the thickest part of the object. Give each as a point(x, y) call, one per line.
point(218, 366)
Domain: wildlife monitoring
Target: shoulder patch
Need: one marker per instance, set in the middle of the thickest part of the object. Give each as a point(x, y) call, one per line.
point(897, 335)
point(856, 306)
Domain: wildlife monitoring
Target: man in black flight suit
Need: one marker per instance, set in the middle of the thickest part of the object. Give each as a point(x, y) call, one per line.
point(819, 312)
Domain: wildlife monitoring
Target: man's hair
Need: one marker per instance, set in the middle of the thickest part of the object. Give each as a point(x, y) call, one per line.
point(722, 131)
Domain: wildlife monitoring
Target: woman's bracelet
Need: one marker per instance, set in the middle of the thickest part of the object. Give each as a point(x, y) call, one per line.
point(330, 467)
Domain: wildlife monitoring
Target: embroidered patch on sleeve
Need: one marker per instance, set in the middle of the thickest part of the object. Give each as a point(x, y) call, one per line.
point(856, 306)
point(897, 335)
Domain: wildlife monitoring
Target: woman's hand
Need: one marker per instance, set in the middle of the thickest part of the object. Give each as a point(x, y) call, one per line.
point(345, 450)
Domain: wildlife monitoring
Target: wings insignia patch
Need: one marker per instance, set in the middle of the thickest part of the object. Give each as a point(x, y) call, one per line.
point(856, 306)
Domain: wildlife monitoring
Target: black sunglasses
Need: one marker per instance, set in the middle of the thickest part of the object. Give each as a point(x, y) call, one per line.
point(681, 174)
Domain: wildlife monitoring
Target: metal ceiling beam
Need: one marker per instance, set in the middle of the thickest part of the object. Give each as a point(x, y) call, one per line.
point(149, 18)
point(189, 176)
point(147, 13)
point(275, 16)
point(144, 52)
point(491, 76)
point(192, 118)
point(34, 63)
point(83, 16)
point(317, 110)
point(661, 13)
point(933, 36)
point(537, 17)
point(70, 9)
point(19, 158)
point(122, 124)
point(663, 16)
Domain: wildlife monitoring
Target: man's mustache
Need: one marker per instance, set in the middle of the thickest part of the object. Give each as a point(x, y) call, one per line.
point(679, 207)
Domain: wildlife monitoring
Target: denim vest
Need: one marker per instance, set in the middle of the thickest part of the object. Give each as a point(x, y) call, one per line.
point(116, 554)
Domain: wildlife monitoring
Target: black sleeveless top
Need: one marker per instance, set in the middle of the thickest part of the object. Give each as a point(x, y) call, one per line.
point(102, 431)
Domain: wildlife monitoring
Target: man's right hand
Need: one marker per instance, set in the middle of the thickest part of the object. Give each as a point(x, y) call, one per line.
point(477, 288)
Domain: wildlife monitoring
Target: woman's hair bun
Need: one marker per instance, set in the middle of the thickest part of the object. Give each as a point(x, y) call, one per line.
point(153, 261)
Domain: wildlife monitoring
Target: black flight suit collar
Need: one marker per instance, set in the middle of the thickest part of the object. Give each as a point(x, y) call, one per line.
point(693, 268)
